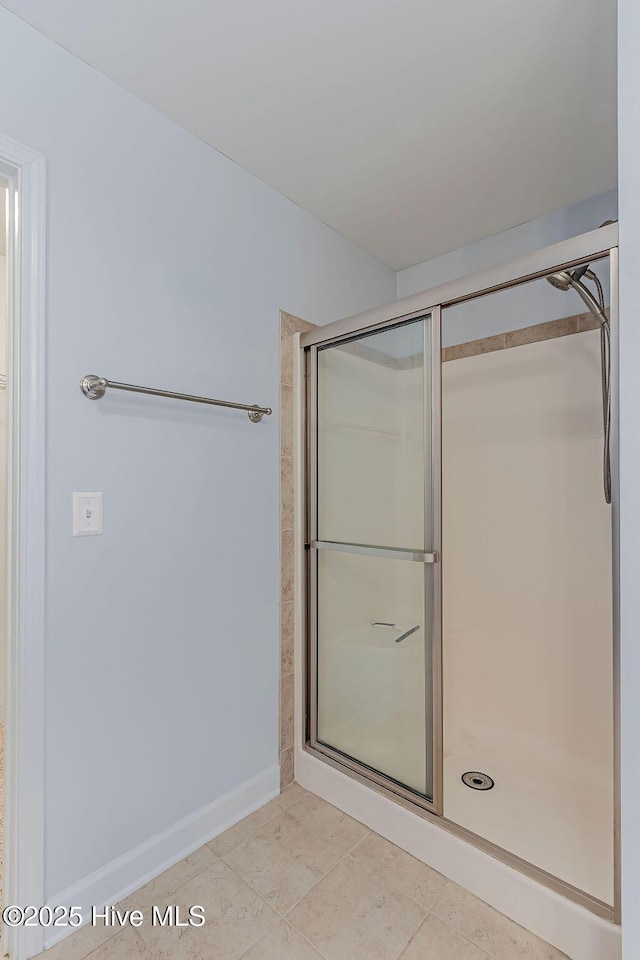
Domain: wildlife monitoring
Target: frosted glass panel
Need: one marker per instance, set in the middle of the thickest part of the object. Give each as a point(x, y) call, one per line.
point(373, 704)
point(371, 448)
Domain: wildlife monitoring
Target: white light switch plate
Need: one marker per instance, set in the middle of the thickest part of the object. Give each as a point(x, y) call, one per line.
point(87, 514)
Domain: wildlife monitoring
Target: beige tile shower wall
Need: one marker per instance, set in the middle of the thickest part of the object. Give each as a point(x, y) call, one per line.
point(527, 605)
point(289, 325)
point(523, 335)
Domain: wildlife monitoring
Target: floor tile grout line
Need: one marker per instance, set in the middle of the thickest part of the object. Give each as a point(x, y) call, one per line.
point(266, 824)
point(400, 889)
point(117, 931)
point(407, 945)
point(449, 883)
point(317, 949)
point(291, 805)
point(446, 880)
point(253, 832)
point(344, 854)
point(177, 889)
point(309, 793)
point(498, 913)
point(347, 856)
point(298, 933)
point(262, 936)
point(86, 926)
point(313, 886)
point(152, 953)
point(475, 943)
point(317, 831)
point(173, 894)
point(257, 892)
point(402, 850)
point(415, 933)
point(276, 919)
point(478, 946)
point(278, 915)
point(358, 842)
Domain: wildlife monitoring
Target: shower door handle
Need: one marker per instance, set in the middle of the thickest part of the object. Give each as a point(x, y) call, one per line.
point(394, 626)
point(407, 633)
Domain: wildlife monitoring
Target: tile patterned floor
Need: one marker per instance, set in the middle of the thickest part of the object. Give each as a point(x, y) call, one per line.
point(300, 880)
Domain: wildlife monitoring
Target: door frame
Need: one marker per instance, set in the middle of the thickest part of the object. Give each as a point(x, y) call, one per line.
point(597, 244)
point(25, 172)
point(429, 557)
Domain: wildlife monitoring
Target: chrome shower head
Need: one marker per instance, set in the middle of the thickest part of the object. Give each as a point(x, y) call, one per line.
point(565, 279)
point(571, 280)
point(560, 280)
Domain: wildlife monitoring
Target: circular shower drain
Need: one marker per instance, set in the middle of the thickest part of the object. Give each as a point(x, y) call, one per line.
point(477, 781)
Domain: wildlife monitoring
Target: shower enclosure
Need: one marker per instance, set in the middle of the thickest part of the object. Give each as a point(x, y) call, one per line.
point(461, 637)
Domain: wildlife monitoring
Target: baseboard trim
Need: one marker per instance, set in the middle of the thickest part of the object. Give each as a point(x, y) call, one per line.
point(567, 926)
point(130, 871)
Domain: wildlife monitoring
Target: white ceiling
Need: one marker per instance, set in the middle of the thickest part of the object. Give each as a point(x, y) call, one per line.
point(411, 126)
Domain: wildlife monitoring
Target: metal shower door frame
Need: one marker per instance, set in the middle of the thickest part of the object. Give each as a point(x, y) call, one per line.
point(589, 247)
point(430, 559)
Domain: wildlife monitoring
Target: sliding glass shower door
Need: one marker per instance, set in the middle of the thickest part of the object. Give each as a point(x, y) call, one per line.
point(373, 548)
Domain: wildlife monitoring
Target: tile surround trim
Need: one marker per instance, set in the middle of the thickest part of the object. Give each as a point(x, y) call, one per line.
point(290, 325)
point(563, 327)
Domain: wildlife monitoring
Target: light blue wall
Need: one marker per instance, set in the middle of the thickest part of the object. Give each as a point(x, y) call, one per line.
point(167, 265)
point(520, 306)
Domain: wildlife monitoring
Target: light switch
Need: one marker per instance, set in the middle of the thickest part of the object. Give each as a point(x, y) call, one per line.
point(87, 514)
